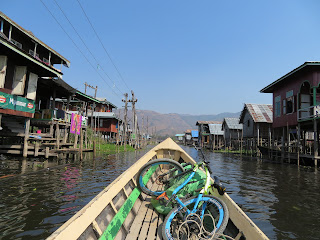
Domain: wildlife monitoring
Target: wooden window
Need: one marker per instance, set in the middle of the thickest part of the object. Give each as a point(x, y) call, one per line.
point(277, 107)
point(3, 70)
point(32, 86)
point(288, 103)
point(19, 80)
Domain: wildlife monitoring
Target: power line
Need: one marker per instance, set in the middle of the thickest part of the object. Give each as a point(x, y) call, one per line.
point(84, 43)
point(102, 44)
point(78, 47)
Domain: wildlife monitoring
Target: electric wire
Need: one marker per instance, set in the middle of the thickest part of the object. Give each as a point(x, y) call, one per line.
point(102, 44)
point(85, 44)
point(78, 47)
point(105, 50)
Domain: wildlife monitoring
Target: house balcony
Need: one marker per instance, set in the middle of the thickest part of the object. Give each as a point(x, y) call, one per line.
point(58, 115)
point(309, 113)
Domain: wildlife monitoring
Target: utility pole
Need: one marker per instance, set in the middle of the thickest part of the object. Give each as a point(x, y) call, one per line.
point(95, 89)
point(134, 118)
point(125, 118)
point(143, 132)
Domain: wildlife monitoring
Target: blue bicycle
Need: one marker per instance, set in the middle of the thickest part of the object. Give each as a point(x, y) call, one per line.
point(199, 217)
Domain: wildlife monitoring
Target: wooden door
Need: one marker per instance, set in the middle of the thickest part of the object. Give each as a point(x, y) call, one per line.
point(3, 70)
point(32, 86)
point(19, 80)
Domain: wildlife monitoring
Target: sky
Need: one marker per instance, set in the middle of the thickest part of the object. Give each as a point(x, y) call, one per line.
point(182, 56)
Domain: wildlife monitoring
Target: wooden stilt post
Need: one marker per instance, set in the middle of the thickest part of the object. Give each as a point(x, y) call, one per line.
point(298, 144)
point(258, 140)
point(51, 129)
point(282, 144)
point(273, 143)
point(65, 134)
point(94, 148)
point(36, 149)
point(47, 152)
point(315, 141)
point(75, 140)
point(86, 137)
point(288, 142)
point(241, 143)
point(81, 143)
point(26, 136)
point(269, 142)
point(57, 136)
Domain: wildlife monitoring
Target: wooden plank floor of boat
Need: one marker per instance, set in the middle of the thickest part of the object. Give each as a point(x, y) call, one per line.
point(147, 225)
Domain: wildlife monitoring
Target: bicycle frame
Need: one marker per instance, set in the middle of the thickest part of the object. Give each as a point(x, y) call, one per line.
point(203, 191)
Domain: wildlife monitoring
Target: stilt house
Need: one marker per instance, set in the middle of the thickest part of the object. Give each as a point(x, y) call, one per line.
point(216, 136)
point(187, 137)
point(232, 132)
point(296, 105)
point(195, 137)
point(26, 66)
point(257, 124)
point(204, 133)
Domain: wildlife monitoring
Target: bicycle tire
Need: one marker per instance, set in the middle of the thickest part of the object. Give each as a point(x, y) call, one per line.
point(173, 219)
point(147, 170)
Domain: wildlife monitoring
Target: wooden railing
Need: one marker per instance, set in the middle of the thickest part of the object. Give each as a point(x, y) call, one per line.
point(50, 114)
point(308, 113)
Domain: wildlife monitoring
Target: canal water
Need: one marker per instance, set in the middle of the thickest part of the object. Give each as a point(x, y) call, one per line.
point(37, 197)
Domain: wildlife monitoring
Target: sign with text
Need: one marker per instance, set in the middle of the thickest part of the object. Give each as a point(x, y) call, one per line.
point(17, 103)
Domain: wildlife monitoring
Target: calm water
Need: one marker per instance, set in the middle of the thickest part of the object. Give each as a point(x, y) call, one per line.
point(281, 199)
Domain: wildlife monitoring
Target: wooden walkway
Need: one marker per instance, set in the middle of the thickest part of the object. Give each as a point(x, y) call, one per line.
point(147, 225)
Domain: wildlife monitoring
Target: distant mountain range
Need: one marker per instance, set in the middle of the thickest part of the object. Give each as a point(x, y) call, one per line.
point(171, 123)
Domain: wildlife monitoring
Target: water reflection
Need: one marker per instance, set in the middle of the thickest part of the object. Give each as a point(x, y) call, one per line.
point(40, 195)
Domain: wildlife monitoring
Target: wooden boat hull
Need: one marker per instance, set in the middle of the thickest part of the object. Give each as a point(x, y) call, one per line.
point(114, 212)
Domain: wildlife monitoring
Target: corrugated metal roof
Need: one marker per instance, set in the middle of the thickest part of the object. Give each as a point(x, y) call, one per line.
point(216, 129)
point(259, 112)
point(105, 101)
point(195, 133)
point(105, 115)
point(207, 122)
point(179, 135)
point(233, 123)
point(86, 97)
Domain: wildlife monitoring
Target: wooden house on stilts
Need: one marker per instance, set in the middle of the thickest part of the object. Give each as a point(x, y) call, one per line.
point(35, 103)
point(257, 124)
point(216, 136)
point(204, 133)
point(296, 107)
point(232, 133)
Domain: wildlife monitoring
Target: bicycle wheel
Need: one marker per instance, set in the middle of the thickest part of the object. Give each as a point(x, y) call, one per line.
point(159, 172)
point(179, 225)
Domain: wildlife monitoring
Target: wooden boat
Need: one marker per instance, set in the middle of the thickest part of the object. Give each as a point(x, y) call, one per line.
point(120, 211)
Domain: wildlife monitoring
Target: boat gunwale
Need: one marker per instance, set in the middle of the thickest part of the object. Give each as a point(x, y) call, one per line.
point(84, 217)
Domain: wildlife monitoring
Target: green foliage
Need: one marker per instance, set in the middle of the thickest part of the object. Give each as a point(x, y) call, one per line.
point(111, 148)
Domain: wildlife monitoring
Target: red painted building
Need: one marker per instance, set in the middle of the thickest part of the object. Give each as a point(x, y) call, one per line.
point(296, 95)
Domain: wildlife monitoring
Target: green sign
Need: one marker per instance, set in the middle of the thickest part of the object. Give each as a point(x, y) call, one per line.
point(14, 102)
point(133, 136)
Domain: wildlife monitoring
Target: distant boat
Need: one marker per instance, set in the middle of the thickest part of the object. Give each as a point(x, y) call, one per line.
point(120, 211)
